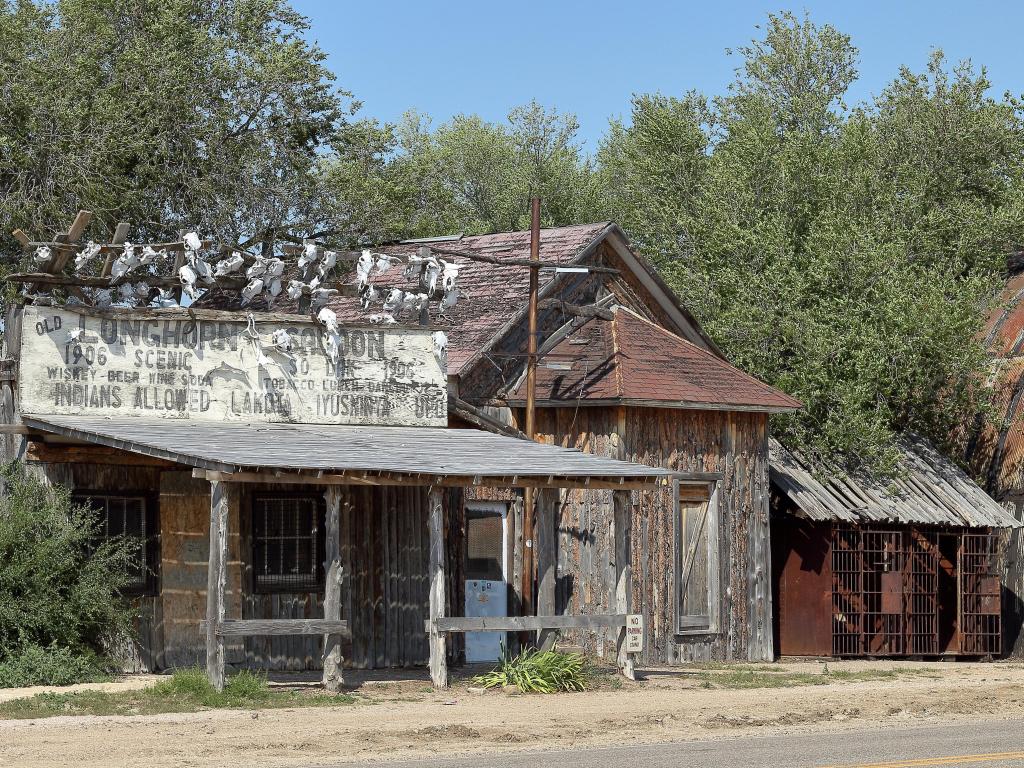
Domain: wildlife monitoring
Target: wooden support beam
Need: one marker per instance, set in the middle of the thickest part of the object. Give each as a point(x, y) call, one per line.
point(526, 623)
point(16, 429)
point(278, 627)
point(575, 310)
point(438, 641)
point(333, 676)
point(216, 578)
point(52, 453)
point(545, 541)
point(397, 478)
point(154, 281)
point(120, 236)
point(77, 228)
point(622, 521)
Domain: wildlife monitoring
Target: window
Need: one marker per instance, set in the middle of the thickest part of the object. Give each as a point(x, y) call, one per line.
point(485, 541)
point(135, 517)
point(288, 543)
point(696, 566)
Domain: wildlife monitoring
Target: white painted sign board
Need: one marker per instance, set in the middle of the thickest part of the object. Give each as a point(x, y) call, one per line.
point(165, 364)
point(634, 633)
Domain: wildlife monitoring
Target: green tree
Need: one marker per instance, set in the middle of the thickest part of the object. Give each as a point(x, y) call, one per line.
point(466, 175)
point(847, 256)
point(172, 114)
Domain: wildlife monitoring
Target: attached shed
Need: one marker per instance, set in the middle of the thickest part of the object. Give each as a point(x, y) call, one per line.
point(903, 567)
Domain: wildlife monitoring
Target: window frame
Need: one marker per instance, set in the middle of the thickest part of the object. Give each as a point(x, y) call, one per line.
point(151, 544)
point(693, 624)
point(320, 541)
point(502, 509)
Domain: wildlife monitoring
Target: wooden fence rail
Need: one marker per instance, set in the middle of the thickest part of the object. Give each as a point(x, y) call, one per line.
point(253, 627)
point(525, 623)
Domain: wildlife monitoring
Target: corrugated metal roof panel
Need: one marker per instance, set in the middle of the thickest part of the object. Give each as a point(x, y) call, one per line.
point(930, 490)
point(406, 450)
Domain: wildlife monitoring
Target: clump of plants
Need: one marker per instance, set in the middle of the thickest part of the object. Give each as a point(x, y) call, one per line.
point(60, 585)
point(534, 671)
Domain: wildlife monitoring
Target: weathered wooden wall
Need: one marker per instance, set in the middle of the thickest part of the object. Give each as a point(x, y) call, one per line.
point(732, 444)
point(384, 551)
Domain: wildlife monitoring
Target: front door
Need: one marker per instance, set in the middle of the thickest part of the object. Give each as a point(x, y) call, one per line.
point(486, 574)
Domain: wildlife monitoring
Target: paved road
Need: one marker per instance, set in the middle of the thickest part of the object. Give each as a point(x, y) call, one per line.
point(992, 744)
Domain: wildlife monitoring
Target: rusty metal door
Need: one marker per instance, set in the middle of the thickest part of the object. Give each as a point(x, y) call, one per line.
point(922, 593)
point(980, 595)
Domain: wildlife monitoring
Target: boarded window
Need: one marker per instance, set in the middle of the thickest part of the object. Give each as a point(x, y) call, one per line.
point(288, 543)
point(133, 517)
point(485, 544)
point(696, 567)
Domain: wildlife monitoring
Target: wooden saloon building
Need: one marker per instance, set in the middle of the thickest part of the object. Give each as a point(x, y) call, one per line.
point(370, 512)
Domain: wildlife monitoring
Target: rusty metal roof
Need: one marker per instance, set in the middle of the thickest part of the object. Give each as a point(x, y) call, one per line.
point(426, 451)
point(930, 489)
point(630, 360)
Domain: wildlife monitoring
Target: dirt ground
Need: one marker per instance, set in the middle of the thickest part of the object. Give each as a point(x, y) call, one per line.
point(402, 719)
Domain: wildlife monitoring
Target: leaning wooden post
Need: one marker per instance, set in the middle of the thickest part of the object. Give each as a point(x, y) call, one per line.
point(622, 521)
point(216, 577)
point(333, 677)
point(545, 531)
point(438, 640)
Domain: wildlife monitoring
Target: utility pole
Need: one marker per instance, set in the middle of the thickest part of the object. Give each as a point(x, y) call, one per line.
point(531, 395)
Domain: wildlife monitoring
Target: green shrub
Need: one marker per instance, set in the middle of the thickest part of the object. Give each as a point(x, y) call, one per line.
point(59, 589)
point(33, 665)
point(534, 671)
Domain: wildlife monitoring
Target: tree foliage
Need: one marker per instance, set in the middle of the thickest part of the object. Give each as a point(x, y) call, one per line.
point(171, 114)
point(848, 256)
point(467, 175)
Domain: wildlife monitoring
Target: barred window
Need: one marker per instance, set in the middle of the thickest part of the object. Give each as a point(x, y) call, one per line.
point(288, 543)
point(133, 517)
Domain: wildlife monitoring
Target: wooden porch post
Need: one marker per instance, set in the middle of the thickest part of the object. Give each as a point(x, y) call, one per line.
point(622, 521)
point(216, 576)
point(545, 538)
point(438, 640)
point(333, 677)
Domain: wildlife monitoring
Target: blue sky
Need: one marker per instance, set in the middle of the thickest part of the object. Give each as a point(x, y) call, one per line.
point(446, 58)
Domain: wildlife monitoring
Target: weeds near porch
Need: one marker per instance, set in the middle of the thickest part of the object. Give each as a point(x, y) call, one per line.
point(185, 691)
point(60, 585)
point(535, 671)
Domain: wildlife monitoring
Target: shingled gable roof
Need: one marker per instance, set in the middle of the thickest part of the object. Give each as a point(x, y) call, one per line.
point(630, 360)
point(493, 296)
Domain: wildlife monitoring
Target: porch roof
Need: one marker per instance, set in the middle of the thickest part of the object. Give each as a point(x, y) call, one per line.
point(366, 454)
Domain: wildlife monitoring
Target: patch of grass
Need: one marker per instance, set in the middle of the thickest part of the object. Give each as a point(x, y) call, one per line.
point(534, 671)
point(184, 691)
point(751, 679)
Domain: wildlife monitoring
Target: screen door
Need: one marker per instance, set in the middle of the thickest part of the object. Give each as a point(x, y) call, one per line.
point(486, 574)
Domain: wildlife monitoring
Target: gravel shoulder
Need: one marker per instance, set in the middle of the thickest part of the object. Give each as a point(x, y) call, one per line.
point(401, 719)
